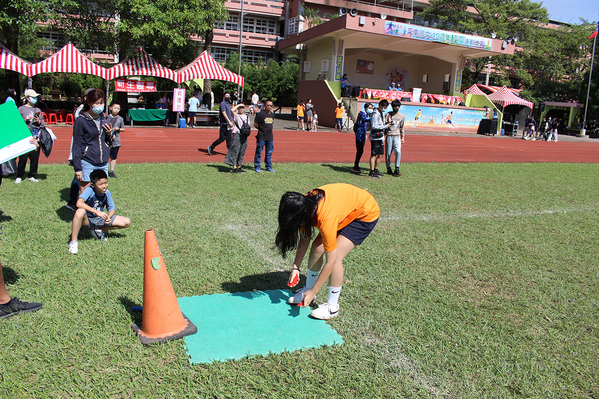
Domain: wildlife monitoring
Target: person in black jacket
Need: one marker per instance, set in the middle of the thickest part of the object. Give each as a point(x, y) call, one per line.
point(90, 150)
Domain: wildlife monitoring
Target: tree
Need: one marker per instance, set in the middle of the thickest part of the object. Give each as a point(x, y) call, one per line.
point(268, 80)
point(549, 60)
point(505, 19)
point(165, 27)
point(311, 17)
point(18, 30)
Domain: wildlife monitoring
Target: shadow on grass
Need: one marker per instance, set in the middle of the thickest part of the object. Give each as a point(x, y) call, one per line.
point(10, 276)
point(128, 304)
point(5, 218)
point(337, 168)
point(260, 282)
point(65, 194)
point(221, 168)
point(65, 214)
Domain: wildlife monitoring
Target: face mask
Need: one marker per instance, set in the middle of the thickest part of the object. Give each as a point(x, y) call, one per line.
point(32, 100)
point(369, 111)
point(97, 109)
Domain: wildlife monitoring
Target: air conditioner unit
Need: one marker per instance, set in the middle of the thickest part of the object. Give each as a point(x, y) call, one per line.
point(353, 12)
point(342, 11)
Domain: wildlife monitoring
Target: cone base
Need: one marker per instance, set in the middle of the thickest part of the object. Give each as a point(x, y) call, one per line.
point(189, 330)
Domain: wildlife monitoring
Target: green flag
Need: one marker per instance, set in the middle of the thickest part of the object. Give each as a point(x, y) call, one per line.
point(15, 137)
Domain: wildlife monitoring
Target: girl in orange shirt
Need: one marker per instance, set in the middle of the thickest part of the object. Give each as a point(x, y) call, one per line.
point(344, 216)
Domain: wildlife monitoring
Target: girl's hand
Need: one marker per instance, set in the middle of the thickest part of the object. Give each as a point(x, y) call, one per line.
point(308, 298)
point(294, 278)
point(79, 175)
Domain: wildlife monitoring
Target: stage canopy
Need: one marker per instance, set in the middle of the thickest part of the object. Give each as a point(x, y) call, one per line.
point(141, 64)
point(68, 59)
point(10, 61)
point(505, 97)
point(205, 67)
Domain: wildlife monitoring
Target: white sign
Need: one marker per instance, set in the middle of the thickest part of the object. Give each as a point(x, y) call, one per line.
point(179, 100)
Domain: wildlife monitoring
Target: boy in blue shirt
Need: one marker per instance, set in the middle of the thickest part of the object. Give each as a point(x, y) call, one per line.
point(90, 211)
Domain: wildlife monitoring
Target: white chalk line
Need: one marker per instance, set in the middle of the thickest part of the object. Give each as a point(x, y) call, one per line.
point(498, 215)
point(241, 232)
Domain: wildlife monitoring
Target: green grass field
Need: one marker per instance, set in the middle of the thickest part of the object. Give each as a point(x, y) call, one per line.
point(480, 281)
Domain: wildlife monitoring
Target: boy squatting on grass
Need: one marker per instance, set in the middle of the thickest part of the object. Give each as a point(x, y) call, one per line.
point(344, 216)
point(90, 211)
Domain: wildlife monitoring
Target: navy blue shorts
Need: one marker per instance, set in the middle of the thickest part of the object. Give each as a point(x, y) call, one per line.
point(357, 231)
point(114, 151)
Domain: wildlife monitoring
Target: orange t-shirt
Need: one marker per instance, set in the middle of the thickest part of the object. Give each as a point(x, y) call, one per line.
point(341, 205)
point(338, 112)
point(300, 110)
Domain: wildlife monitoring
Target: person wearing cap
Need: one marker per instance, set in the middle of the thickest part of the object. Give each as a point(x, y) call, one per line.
point(239, 139)
point(35, 121)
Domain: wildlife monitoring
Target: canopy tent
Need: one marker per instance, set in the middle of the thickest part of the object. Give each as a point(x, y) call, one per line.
point(10, 61)
point(141, 64)
point(68, 59)
point(474, 90)
point(205, 67)
point(505, 97)
point(492, 89)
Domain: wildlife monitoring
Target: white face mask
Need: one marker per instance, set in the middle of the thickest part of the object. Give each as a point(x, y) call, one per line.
point(32, 100)
point(369, 111)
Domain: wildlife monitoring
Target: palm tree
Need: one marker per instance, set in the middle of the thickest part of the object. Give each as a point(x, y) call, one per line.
point(310, 16)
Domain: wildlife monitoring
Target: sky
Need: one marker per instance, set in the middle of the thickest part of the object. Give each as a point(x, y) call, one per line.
point(571, 11)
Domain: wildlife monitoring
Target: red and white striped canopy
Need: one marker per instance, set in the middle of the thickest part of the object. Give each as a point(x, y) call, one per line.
point(474, 90)
point(8, 60)
point(205, 67)
point(68, 59)
point(493, 89)
point(505, 97)
point(141, 64)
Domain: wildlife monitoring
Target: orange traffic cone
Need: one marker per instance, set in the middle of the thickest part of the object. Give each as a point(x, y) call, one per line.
point(161, 317)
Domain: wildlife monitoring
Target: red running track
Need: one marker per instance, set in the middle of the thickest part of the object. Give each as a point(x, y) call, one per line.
point(158, 145)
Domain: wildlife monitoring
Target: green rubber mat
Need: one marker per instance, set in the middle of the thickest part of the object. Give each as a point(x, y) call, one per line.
point(233, 326)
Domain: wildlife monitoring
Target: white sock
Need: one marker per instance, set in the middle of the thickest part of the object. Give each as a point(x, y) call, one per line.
point(334, 293)
point(311, 277)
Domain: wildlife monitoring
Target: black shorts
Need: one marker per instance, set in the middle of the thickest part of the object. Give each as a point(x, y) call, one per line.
point(114, 151)
point(191, 114)
point(377, 147)
point(357, 231)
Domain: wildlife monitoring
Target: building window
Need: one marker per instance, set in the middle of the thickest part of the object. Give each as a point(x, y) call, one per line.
point(251, 25)
point(292, 27)
point(53, 40)
point(232, 24)
point(220, 54)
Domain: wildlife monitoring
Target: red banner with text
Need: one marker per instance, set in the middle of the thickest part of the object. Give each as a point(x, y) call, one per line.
point(134, 86)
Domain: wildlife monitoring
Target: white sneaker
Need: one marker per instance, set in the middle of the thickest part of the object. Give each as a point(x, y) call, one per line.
point(73, 247)
point(18, 180)
point(298, 297)
point(325, 311)
point(33, 180)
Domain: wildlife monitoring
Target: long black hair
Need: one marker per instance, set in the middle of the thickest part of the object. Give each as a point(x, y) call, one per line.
point(295, 218)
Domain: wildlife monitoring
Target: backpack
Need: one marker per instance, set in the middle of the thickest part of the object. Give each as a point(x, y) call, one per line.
point(356, 124)
point(245, 129)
